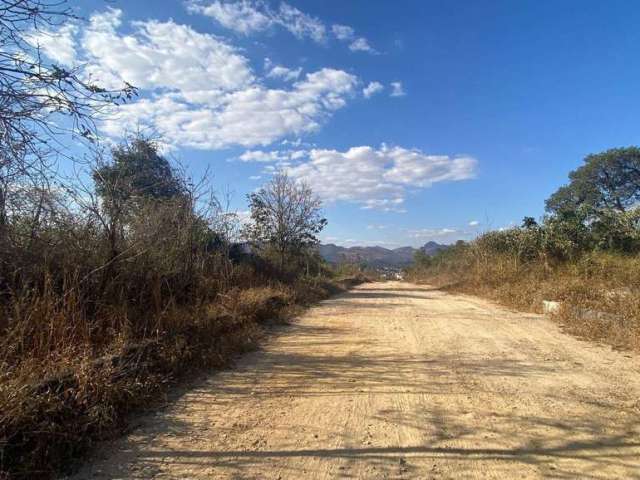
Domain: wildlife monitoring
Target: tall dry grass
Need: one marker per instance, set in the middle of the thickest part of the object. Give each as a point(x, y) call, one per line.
point(110, 292)
point(599, 291)
point(70, 379)
point(101, 312)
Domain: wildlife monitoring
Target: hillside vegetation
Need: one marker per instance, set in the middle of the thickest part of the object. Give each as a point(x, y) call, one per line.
point(585, 253)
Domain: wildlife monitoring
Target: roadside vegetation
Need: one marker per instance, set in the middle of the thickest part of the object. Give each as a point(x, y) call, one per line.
point(122, 274)
point(585, 253)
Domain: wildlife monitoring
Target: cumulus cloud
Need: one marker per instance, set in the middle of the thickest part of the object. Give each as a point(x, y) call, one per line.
point(279, 157)
point(361, 45)
point(397, 90)
point(250, 116)
point(242, 16)
point(343, 32)
point(164, 56)
point(278, 71)
point(285, 73)
point(199, 91)
point(260, 156)
point(372, 89)
point(249, 16)
point(380, 178)
point(58, 45)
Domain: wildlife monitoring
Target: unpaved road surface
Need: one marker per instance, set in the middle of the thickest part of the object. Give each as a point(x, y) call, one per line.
point(393, 380)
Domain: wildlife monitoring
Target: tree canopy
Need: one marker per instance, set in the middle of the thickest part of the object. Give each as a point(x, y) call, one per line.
point(138, 172)
point(285, 215)
point(607, 181)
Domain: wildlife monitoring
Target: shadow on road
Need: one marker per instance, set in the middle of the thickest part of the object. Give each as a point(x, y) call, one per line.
point(468, 407)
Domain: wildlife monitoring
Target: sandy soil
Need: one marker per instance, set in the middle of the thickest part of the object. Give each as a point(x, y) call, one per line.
point(393, 380)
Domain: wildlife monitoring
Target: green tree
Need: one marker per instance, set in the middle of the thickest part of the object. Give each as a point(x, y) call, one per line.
point(286, 217)
point(136, 176)
point(617, 231)
point(607, 181)
point(137, 172)
point(421, 259)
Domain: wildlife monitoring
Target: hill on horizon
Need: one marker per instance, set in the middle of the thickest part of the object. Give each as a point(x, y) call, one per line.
point(376, 256)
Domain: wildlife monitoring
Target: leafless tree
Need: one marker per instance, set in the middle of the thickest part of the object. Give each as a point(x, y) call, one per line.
point(41, 103)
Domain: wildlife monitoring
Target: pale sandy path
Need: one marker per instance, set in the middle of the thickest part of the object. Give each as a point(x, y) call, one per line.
point(394, 380)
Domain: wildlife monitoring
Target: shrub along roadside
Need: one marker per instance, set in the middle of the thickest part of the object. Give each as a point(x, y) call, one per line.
point(48, 423)
point(599, 291)
point(111, 291)
point(584, 253)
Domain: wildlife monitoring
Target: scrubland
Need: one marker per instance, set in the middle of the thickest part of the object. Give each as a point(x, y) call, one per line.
point(598, 291)
point(114, 289)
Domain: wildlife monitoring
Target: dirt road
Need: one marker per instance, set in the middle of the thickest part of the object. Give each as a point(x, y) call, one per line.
point(393, 380)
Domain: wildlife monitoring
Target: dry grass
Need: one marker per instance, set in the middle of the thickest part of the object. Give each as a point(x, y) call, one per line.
point(55, 403)
point(600, 292)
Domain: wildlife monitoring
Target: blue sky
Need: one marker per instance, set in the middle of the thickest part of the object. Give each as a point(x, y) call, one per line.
point(415, 120)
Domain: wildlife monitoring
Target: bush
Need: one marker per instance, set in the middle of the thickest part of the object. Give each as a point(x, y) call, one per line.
point(591, 269)
point(110, 293)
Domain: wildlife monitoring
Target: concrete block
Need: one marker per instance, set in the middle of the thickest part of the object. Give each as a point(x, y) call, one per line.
point(550, 307)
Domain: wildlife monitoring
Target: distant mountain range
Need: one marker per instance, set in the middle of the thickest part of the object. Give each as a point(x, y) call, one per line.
point(376, 256)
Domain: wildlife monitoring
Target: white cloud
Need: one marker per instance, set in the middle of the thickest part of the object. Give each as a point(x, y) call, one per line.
point(241, 16)
point(474, 223)
point(163, 55)
point(281, 158)
point(261, 156)
point(424, 233)
point(361, 45)
point(345, 33)
point(372, 89)
point(249, 16)
point(378, 178)
point(255, 177)
point(251, 116)
point(384, 204)
point(58, 45)
point(397, 90)
point(278, 71)
point(342, 32)
point(300, 24)
point(197, 90)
